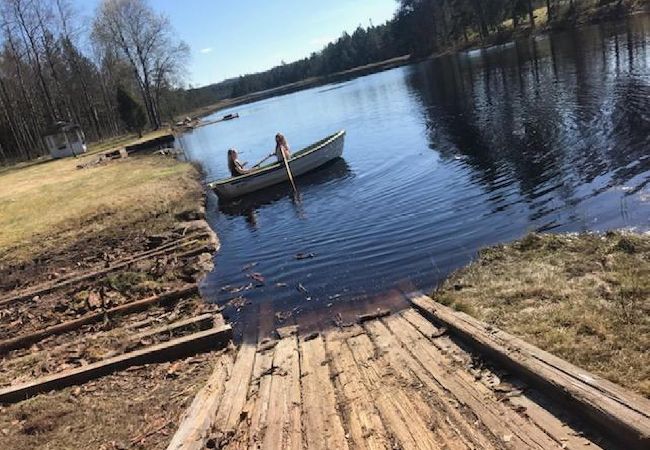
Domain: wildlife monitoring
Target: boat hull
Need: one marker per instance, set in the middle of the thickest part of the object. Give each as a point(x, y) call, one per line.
point(276, 173)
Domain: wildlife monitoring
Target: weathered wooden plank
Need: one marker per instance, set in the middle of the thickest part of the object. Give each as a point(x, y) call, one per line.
point(504, 424)
point(283, 421)
point(260, 395)
point(453, 428)
point(197, 421)
point(365, 427)
point(57, 284)
point(562, 433)
point(173, 349)
point(623, 415)
point(200, 323)
point(126, 308)
point(321, 420)
point(234, 396)
point(400, 416)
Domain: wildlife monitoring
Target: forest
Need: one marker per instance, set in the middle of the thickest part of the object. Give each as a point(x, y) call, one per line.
point(422, 28)
point(54, 67)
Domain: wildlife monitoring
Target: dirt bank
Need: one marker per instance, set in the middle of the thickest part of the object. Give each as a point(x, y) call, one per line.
point(584, 298)
point(79, 248)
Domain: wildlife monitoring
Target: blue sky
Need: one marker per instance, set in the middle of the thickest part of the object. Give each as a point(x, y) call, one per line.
point(230, 38)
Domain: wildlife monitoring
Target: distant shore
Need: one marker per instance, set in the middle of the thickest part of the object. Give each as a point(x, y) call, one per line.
point(300, 85)
point(506, 34)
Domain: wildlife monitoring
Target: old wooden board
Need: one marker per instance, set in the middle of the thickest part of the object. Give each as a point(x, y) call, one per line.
point(622, 414)
point(176, 348)
point(321, 420)
point(363, 422)
point(198, 323)
point(26, 340)
point(394, 381)
point(234, 396)
point(283, 421)
point(200, 416)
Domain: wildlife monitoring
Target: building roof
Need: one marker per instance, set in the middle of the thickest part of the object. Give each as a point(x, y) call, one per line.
point(60, 127)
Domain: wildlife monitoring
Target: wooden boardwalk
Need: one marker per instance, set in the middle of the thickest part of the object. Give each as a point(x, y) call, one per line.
point(395, 382)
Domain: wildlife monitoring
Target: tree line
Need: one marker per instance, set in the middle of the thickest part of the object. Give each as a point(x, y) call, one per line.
point(419, 28)
point(52, 69)
point(125, 71)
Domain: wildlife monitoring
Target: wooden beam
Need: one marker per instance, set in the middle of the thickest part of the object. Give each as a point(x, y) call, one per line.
point(199, 418)
point(622, 414)
point(167, 351)
point(42, 290)
point(200, 323)
point(28, 339)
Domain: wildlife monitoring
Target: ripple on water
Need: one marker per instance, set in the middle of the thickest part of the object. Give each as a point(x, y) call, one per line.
point(441, 159)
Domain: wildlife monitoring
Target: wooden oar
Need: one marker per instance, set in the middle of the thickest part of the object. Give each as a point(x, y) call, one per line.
point(260, 163)
point(286, 166)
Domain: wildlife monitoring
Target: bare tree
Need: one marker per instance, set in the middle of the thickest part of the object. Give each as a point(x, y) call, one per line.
point(146, 41)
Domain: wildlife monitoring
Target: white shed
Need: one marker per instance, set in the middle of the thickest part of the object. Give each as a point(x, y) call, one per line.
point(65, 139)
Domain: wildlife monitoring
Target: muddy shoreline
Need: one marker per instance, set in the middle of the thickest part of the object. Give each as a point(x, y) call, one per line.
point(68, 308)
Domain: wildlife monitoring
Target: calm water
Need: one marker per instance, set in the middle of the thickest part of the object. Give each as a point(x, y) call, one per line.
point(441, 158)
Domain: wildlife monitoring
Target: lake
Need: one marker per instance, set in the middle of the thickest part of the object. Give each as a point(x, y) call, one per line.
point(441, 158)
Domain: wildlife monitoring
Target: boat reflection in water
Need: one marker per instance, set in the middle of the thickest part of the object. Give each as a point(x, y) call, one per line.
point(248, 205)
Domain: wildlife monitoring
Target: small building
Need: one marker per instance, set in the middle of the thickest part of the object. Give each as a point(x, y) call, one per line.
point(65, 139)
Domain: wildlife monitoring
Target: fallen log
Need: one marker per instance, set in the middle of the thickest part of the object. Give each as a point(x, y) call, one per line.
point(42, 290)
point(176, 348)
point(622, 414)
point(28, 339)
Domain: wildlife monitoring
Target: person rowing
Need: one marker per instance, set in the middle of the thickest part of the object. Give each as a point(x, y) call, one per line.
point(281, 152)
point(236, 168)
point(281, 147)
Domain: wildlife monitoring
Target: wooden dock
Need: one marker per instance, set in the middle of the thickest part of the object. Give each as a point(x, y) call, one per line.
point(401, 381)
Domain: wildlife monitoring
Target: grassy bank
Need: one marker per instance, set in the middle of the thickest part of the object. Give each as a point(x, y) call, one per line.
point(51, 204)
point(61, 220)
point(585, 298)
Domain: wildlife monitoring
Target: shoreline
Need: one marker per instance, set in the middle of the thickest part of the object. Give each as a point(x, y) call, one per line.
point(149, 405)
point(524, 32)
point(118, 279)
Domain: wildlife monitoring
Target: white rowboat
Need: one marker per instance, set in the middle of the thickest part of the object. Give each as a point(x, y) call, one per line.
point(300, 163)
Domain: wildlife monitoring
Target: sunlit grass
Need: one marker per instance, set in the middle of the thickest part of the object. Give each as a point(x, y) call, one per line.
point(585, 298)
point(54, 202)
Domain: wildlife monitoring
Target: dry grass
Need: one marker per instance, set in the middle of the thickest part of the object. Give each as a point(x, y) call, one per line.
point(50, 204)
point(585, 298)
point(138, 408)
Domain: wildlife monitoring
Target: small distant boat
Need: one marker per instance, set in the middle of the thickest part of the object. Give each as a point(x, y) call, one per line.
point(231, 116)
point(301, 162)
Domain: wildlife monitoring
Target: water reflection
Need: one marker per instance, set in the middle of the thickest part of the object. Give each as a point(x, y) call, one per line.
point(546, 113)
point(441, 158)
point(248, 205)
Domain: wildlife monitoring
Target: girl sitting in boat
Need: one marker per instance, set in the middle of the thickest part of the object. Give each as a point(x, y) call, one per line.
point(281, 146)
point(236, 168)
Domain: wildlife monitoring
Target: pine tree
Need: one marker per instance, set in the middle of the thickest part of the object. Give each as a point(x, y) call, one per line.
point(130, 111)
